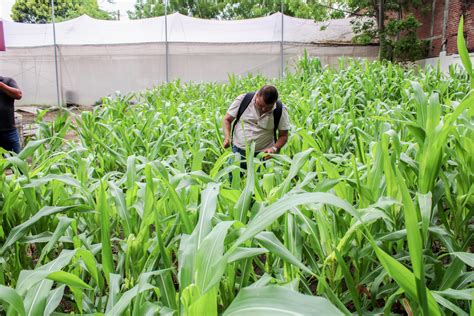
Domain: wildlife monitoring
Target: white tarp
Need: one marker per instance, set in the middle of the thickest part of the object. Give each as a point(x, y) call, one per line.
point(444, 62)
point(97, 57)
point(88, 31)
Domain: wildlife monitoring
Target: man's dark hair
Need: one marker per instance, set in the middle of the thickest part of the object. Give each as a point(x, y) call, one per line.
point(269, 94)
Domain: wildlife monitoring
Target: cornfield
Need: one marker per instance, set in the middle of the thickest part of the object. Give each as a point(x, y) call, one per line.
point(367, 210)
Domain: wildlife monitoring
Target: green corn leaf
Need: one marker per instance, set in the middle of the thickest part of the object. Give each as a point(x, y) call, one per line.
point(404, 277)
point(425, 201)
point(69, 279)
point(30, 148)
point(243, 204)
point(20, 230)
point(54, 299)
point(466, 294)
point(349, 281)
point(114, 290)
point(415, 245)
point(269, 214)
point(196, 303)
point(466, 257)
point(462, 49)
point(243, 253)
point(63, 224)
point(11, 297)
point(453, 272)
point(37, 286)
point(121, 206)
point(297, 163)
point(91, 265)
point(271, 242)
point(446, 303)
point(102, 208)
point(276, 300)
point(127, 298)
point(66, 179)
point(209, 257)
point(207, 211)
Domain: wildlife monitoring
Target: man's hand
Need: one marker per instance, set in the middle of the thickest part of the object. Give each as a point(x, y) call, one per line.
point(226, 143)
point(226, 126)
point(270, 150)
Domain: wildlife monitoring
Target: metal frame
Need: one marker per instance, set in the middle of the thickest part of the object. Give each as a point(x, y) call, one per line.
point(56, 61)
point(58, 94)
point(166, 42)
point(282, 57)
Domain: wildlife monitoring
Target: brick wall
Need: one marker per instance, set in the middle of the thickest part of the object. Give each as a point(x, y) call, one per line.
point(439, 30)
point(456, 9)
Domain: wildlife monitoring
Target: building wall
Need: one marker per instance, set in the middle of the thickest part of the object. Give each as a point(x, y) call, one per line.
point(456, 9)
point(440, 20)
point(443, 62)
point(433, 20)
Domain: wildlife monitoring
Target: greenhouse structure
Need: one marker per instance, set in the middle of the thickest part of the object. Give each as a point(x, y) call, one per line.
point(95, 58)
point(179, 166)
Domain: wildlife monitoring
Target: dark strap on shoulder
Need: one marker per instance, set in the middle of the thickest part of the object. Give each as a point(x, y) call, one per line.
point(243, 106)
point(276, 118)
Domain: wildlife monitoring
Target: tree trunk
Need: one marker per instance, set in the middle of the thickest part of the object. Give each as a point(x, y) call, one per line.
point(381, 27)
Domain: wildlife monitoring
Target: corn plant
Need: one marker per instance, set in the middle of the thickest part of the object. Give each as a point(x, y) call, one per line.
point(367, 210)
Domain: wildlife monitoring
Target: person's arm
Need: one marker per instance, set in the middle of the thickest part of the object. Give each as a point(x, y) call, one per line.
point(226, 126)
point(283, 128)
point(12, 92)
point(282, 139)
point(229, 118)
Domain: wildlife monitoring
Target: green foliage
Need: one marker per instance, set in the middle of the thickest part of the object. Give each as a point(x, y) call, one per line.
point(397, 36)
point(367, 209)
point(153, 177)
point(463, 52)
point(39, 11)
point(401, 40)
point(237, 9)
point(365, 30)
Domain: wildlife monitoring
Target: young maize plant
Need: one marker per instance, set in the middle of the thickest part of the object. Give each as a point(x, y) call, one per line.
point(367, 210)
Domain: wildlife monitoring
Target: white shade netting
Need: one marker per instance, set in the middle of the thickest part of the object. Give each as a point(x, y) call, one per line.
point(96, 58)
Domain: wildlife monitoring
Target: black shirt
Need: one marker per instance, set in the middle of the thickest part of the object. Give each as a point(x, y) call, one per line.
point(7, 116)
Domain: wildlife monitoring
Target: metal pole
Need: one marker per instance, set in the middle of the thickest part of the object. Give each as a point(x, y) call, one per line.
point(281, 42)
point(166, 41)
point(55, 54)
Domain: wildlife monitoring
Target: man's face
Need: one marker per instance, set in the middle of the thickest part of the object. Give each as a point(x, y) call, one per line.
point(260, 104)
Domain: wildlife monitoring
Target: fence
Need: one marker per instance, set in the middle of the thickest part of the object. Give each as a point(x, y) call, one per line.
point(82, 60)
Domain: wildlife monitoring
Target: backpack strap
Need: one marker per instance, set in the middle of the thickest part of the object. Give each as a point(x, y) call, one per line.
point(243, 106)
point(245, 103)
point(276, 118)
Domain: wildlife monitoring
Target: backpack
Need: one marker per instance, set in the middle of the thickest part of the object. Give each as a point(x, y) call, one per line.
point(245, 103)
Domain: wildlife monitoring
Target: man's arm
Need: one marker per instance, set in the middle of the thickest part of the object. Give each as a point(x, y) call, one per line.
point(226, 126)
point(282, 139)
point(283, 128)
point(14, 93)
point(229, 118)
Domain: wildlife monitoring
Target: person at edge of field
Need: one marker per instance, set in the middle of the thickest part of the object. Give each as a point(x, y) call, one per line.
point(256, 117)
point(9, 92)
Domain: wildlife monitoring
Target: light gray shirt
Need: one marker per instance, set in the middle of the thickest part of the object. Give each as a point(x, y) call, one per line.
point(253, 127)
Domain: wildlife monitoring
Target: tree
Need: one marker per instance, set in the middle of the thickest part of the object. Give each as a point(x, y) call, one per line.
point(39, 11)
point(237, 9)
point(397, 35)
